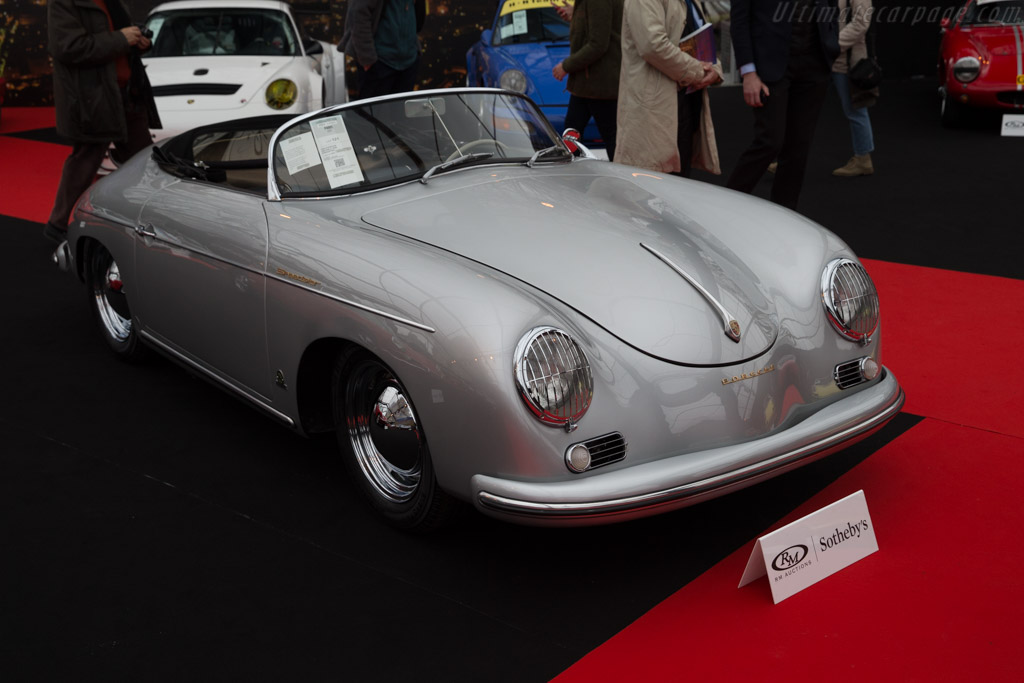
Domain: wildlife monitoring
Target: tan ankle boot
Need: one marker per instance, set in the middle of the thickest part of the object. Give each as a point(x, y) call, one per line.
point(859, 164)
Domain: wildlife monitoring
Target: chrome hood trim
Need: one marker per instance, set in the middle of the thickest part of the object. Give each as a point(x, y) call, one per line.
point(588, 241)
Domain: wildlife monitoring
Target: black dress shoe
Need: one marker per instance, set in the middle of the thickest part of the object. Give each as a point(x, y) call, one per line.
point(54, 234)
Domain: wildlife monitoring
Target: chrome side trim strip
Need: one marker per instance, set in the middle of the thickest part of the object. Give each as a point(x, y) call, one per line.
point(732, 328)
point(220, 380)
point(678, 493)
point(353, 304)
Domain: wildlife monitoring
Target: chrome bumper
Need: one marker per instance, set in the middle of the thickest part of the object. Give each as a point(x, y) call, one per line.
point(656, 487)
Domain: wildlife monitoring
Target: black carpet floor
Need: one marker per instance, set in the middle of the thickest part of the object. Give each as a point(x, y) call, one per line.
point(154, 528)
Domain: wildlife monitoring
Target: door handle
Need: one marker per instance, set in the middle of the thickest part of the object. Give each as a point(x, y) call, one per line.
point(146, 230)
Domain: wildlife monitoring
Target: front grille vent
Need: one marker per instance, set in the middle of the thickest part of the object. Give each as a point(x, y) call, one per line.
point(1014, 97)
point(196, 89)
point(604, 450)
point(848, 374)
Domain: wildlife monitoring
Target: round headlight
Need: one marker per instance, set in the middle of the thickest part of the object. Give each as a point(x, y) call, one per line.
point(514, 80)
point(553, 376)
point(281, 94)
point(966, 69)
point(850, 299)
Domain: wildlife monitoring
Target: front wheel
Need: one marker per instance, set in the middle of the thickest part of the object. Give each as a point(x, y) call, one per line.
point(106, 292)
point(387, 450)
point(950, 111)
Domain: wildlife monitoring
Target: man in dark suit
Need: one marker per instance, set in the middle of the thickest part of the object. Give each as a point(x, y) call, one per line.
point(785, 50)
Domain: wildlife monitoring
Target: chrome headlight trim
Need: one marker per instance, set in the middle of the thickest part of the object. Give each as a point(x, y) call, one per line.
point(514, 80)
point(966, 69)
point(553, 376)
point(850, 299)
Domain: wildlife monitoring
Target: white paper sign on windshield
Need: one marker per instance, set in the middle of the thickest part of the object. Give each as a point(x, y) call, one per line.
point(299, 153)
point(805, 552)
point(336, 152)
point(519, 23)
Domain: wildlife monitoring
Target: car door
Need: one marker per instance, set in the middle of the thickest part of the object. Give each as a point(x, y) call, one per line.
point(200, 256)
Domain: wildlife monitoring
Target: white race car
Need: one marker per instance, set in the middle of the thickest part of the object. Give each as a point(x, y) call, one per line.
point(212, 61)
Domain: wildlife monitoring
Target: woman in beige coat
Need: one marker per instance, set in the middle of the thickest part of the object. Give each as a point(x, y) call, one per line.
point(653, 70)
point(854, 25)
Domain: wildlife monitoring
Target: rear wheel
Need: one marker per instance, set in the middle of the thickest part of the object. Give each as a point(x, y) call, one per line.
point(387, 450)
point(110, 305)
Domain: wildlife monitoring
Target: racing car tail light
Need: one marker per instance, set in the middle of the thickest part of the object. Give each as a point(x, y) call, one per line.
point(850, 299)
point(281, 94)
point(514, 80)
point(966, 69)
point(553, 376)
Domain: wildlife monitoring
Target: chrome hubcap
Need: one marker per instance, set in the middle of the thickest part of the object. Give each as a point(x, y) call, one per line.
point(111, 304)
point(384, 433)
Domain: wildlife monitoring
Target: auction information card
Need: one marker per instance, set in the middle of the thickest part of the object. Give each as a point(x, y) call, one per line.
point(808, 550)
point(335, 147)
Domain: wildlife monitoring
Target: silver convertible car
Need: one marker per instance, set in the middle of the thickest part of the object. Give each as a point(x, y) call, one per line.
point(482, 315)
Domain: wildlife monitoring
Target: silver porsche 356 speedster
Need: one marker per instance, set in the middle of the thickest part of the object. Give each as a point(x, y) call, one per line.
point(483, 315)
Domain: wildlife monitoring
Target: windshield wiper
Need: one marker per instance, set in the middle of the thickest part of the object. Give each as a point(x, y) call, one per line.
point(457, 161)
point(544, 152)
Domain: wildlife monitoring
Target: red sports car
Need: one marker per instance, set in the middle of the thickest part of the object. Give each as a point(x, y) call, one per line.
point(981, 58)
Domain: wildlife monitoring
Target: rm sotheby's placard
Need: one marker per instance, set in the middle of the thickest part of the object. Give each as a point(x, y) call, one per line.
point(811, 548)
point(1013, 124)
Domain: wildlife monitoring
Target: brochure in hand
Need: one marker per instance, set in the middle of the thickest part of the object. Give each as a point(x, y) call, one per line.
point(700, 45)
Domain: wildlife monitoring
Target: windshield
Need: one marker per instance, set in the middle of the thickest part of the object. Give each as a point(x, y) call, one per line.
point(366, 146)
point(213, 31)
point(529, 21)
point(1006, 12)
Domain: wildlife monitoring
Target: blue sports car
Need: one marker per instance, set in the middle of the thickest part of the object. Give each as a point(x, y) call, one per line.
point(526, 41)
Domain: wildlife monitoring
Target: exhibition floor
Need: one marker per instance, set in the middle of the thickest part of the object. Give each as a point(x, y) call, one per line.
point(154, 528)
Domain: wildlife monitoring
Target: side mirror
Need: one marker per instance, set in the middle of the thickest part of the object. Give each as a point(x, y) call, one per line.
point(485, 36)
point(944, 24)
point(570, 137)
point(313, 47)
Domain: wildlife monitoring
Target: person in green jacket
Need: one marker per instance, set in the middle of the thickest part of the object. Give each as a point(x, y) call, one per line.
point(595, 54)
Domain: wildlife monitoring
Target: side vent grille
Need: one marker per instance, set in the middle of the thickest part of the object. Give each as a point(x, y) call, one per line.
point(848, 374)
point(604, 450)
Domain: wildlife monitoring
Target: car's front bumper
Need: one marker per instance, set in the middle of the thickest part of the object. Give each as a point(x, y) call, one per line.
point(676, 482)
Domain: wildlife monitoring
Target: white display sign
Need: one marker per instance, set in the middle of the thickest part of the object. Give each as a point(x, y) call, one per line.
point(1013, 124)
point(818, 545)
point(299, 152)
point(336, 152)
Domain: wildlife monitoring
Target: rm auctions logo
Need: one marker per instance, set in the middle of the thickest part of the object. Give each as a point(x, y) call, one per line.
point(789, 558)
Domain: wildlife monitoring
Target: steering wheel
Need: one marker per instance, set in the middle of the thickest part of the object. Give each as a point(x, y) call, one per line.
point(466, 148)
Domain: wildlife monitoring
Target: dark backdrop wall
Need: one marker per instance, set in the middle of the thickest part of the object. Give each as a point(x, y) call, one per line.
point(907, 38)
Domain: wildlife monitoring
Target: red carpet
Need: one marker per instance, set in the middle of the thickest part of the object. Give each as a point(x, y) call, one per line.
point(30, 172)
point(953, 339)
point(940, 601)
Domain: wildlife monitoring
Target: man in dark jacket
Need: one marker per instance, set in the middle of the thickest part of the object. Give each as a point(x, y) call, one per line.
point(595, 55)
point(381, 35)
point(785, 50)
point(100, 91)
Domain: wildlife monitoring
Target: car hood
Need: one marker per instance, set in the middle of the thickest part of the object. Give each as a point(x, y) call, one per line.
point(589, 241)
point(994, 41)
point(249, 73)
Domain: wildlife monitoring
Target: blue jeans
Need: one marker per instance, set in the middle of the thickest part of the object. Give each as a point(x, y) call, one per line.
point(860, 121)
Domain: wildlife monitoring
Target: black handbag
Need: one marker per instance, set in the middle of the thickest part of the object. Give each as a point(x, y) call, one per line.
point(866, 74)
